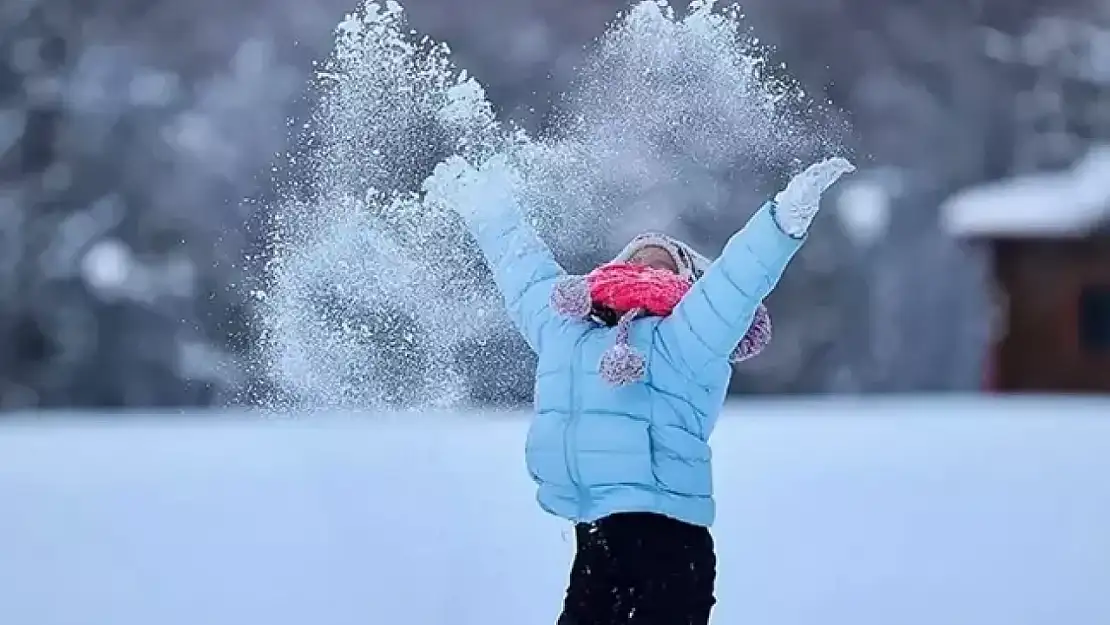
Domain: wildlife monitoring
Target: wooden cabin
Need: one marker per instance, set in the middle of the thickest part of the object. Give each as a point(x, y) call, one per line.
point(1049, 237)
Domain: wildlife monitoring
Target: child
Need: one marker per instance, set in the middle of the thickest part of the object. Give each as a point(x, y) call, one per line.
point(634, 363)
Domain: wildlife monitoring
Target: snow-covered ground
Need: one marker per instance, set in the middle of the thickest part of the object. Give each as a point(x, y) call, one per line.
point(832, 512)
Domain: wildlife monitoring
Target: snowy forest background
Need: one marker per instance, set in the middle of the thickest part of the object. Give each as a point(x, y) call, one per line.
point(139, 143)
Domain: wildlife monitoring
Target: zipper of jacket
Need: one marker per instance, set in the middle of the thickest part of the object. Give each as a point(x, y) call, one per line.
point(570, 434)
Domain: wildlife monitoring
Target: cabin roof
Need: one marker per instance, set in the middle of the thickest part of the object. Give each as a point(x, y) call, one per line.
point(1070, 203)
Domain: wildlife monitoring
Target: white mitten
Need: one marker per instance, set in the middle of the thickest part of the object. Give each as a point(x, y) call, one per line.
point(471, 190)
point(797, 204)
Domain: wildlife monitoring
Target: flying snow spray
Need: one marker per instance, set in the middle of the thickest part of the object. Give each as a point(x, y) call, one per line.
point(378, 298)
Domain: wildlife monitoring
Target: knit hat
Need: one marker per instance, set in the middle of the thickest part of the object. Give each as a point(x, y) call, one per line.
point(691, 265)
point(618, 292)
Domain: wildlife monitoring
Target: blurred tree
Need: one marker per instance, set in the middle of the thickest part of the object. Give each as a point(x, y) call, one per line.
point(128, 134)
point(936, 111)
point(131, 131)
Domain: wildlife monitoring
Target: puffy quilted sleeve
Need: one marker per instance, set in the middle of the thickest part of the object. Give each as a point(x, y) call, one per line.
point(523, 267)
point(715, 314)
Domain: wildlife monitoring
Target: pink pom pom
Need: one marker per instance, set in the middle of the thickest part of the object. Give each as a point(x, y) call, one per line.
point(621, 365)
point(757, 337)
point(571, 297)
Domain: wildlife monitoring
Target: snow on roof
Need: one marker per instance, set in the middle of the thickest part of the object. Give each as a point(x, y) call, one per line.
point(1062, 204)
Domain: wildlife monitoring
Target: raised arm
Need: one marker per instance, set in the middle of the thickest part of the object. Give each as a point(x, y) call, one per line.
point(715, 314)
point(523, 267)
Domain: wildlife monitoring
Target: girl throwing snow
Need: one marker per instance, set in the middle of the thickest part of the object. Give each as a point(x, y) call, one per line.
point(634, 362)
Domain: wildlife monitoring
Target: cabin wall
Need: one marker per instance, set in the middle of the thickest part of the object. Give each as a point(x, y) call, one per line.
point(1055, 315)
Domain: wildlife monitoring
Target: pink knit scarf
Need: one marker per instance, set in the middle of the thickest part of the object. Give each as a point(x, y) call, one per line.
point(630, 291)
point(623, 287)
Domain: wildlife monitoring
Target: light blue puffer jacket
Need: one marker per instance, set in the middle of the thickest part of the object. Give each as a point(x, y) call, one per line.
point(595, 449)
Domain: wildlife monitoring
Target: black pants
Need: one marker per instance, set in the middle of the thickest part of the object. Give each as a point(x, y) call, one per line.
point(641, 569)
